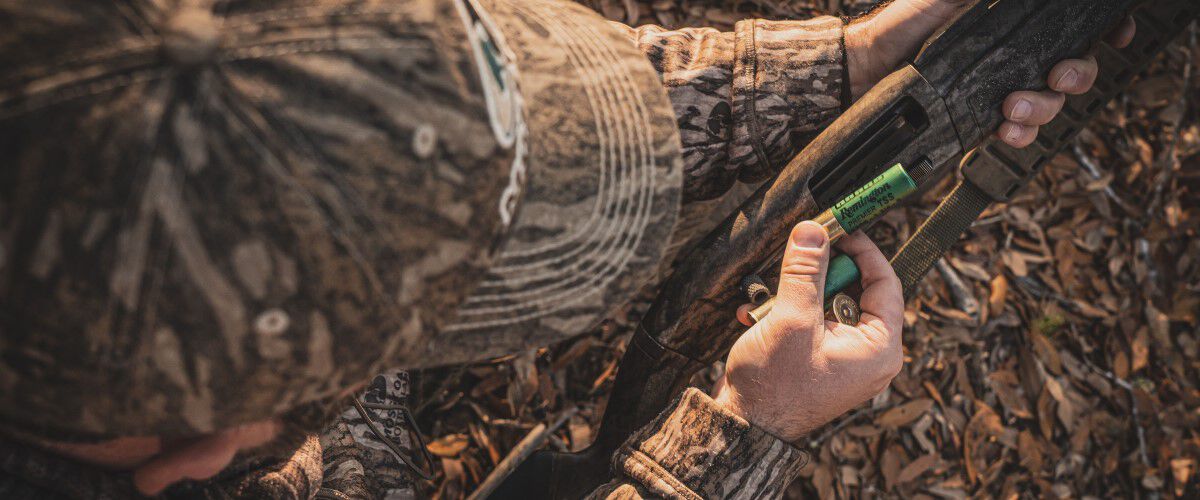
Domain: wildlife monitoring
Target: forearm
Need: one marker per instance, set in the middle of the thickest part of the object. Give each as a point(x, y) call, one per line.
point(747, 101)
point(699, 449)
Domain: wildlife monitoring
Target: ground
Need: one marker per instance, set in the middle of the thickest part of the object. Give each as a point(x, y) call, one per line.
point(1077, 377)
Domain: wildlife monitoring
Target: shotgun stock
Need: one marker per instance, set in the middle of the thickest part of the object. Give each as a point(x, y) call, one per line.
point(935, 111)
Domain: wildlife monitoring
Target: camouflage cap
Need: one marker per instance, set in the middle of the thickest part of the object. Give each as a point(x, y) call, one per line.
point(213, 212)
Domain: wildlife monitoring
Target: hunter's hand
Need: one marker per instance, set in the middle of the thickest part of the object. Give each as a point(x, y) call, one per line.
point(877, 45)
point(793, 371)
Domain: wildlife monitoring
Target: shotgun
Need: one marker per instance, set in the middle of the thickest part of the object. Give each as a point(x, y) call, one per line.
point(933, 116)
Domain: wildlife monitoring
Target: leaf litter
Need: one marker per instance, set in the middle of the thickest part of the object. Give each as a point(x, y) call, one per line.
point(1077, 377)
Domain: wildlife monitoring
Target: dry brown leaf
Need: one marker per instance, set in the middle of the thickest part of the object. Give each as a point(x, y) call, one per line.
point(999, 293)
point(448, 446)
point(890, 465)
point(1003, 384)
point(904, 414)
point(482, 439)
point(823, 479)
point(1046, 352)
point(1120, 365)
point(1181, 470)
point(525, 380)
point(1068, 408)
point(1015, 262)
point(1031, 452)
point(1046, 413)
point(917, 467)
point(1160, 326)
point(453, 479)
point(580, 432)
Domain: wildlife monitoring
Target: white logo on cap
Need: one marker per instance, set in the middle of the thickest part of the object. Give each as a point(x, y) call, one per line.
point(497, 74)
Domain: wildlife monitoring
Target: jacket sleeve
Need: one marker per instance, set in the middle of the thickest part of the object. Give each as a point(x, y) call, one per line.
point(697, 449)
point(747, 101)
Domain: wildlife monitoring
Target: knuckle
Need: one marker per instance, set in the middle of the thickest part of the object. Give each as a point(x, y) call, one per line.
point(798, 272)
point(804, 263)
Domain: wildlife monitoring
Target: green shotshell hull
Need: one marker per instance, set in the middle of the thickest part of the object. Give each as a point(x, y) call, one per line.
point(876, 197)
point(841, 274)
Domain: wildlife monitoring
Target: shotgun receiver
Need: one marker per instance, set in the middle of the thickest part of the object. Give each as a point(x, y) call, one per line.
point(937, 112)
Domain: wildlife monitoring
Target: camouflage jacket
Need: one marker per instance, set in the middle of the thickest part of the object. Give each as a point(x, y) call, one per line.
point(745, 102)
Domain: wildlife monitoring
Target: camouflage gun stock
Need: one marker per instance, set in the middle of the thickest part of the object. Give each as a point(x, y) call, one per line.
point(938, 112)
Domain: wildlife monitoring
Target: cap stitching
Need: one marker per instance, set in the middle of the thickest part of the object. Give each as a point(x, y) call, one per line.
point(143, 43)
point(77, 90)
point(609, 137)
point(266, 50)
point(597, 282)
point(584, 62)
point(74, 90)
point(583, 55)
point(291, 14)
point(97, 55)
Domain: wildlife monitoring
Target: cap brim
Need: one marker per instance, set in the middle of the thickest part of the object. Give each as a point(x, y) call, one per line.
point(603, 183)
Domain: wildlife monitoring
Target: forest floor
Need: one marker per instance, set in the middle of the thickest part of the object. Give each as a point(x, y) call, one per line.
point(1078, 376)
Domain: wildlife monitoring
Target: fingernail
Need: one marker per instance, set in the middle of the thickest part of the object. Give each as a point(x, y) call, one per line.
point(1014, 133)
point(1067, 81)
point(1022, 110)
point(809, 235)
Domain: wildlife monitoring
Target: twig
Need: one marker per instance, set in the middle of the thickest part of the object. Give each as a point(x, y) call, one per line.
point(1171, 160)
point(964, 298)
point(1092, 167)
point(845, 422)
point(528, 444)
point(1124, 384)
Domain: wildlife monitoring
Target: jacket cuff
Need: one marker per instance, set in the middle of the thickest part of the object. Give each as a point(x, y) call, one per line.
point(789, 82)
point(699, 449)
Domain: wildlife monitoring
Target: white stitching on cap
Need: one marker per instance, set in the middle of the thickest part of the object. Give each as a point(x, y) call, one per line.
point(75, 91)
point(598, 98)
point(143, 43)
point(643, 194)
point(604, 104)
point(93, 55)
point(298, 13)
point(597, 246)
point(603, 280)
point(267, 50)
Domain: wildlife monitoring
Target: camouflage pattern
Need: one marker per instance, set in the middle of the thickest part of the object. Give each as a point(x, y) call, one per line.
point(263, 203)
point(593, 236)
point(698, 449)
point(225, 223)
point(747, 101)
point(29, 473)
point(356, 463)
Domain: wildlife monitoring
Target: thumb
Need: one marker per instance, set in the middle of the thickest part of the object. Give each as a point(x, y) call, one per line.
point(802, 278)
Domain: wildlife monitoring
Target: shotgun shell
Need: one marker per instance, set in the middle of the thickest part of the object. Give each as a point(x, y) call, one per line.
point(872, 200)
point(846, 216)
point(846, 310)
